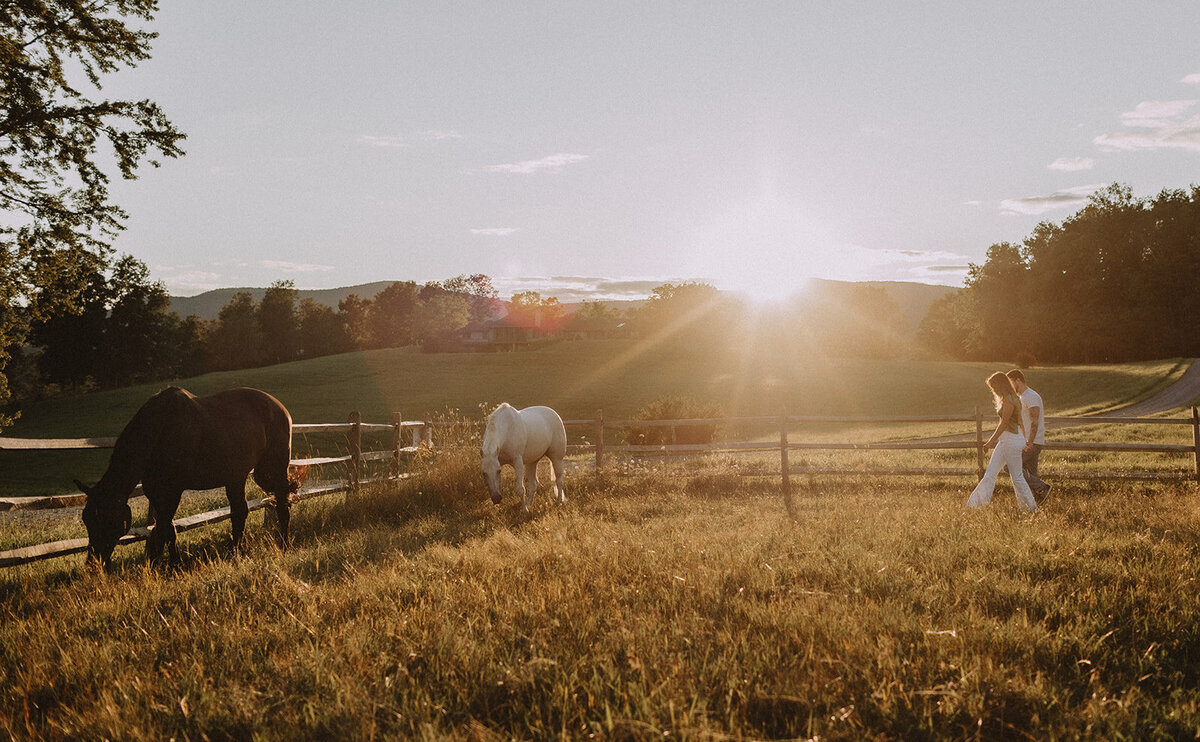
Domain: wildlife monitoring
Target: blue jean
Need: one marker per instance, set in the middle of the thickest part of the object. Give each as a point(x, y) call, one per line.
point(1029, 463)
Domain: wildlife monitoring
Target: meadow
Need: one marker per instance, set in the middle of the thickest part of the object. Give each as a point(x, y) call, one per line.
point(578, 378)
point(657, 603)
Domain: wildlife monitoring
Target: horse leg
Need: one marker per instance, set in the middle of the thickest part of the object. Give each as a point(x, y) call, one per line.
point(162, 534)
point(272, 476)
point(531, 484)
point(235, 492)
point(283, 514)
point(557, 465)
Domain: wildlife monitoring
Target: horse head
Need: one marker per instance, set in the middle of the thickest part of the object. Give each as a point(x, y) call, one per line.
point(107, 519)
point(491, 475)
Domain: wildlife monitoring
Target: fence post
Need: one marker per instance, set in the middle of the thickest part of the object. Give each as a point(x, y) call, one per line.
point(785, 468)
point(354, 449)
point(979, 441)
point(427, 427)
point(599, 439)
point(1196, 439)
point(397, 443)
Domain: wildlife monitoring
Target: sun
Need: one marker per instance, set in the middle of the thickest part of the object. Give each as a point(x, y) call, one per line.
point(767, 249)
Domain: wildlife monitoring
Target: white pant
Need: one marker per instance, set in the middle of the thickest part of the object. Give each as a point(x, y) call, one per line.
point(1006, 454)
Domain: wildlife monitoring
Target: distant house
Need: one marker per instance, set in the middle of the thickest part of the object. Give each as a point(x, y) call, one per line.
point(594, 328)
point(501, 334)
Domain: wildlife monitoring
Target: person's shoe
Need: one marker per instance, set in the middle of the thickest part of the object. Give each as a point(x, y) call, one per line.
point(1042, 497)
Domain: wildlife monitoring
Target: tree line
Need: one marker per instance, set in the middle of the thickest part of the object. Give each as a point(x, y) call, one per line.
point(1114, 282)
point(123, 331)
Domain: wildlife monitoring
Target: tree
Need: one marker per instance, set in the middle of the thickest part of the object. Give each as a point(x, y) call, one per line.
point(235, 340)
point(392, 315)
point(323, 331)
point(139, 331)
point(482, 296)
point(279, 324)
point(441, 314)
point(355, 312)
point(687, 316)
point(52, 135)
point(123, 332)
point(529, 309)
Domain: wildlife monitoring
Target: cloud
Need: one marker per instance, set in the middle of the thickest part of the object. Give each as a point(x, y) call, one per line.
point(494, 231)
point(439, 134)
point(181, 282)
point(570, 289)
point(285, 266)
point(552, 163)
point(1193, 79)
point(1072, 164)
point(1067, 198)
point(1155, 125)
point(385, 141)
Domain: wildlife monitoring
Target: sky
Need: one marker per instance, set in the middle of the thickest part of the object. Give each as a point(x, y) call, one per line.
point(616, 145)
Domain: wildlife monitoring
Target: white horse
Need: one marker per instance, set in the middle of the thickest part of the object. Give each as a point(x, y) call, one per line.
point(521, 439)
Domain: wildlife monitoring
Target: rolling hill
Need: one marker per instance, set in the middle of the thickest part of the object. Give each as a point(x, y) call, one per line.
point(913, 299)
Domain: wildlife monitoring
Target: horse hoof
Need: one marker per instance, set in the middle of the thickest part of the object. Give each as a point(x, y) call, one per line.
point(495, 499)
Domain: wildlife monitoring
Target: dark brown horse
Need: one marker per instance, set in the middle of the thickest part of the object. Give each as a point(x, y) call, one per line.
point(178, 442)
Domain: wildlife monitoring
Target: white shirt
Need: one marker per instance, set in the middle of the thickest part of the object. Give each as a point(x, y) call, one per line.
point(1030, 398)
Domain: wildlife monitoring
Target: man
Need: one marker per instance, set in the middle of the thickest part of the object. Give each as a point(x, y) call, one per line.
point(1033, 417)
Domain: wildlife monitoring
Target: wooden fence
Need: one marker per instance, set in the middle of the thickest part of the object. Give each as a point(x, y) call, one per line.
point(353, 461)
point(600, 450)
point(786, 444)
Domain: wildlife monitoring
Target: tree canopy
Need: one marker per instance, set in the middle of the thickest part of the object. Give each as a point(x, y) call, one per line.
point(1115, 282)
point(55, 131)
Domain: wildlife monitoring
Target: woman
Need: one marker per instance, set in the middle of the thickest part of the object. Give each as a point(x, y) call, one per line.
point(1009, 443)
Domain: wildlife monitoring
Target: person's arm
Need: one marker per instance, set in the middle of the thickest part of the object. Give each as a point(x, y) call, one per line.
point(1035, 414)
point(1006, 412)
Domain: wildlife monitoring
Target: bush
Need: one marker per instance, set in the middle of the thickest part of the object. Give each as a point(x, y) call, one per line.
point(1025, 359)
point(672, 408)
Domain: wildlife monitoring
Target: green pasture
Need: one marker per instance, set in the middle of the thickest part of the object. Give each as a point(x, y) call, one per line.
point(650, 606)
point(578, 379)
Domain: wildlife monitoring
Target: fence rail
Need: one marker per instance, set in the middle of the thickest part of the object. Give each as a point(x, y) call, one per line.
point(355, 456)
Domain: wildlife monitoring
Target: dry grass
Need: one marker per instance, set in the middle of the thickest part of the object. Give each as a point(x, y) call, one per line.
point(649, 604)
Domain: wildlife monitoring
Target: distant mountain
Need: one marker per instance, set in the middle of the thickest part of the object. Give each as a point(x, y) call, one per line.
point(913, 299)
point(208, 304)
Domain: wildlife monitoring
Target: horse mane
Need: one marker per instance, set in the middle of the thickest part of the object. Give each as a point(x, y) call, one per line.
point(492, 435)
point(138, 440)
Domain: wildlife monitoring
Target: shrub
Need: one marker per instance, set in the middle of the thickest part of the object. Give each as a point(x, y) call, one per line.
point(672, 408)
point(1025, 359)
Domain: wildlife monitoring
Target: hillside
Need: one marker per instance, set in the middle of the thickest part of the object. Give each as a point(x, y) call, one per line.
point(912, 298)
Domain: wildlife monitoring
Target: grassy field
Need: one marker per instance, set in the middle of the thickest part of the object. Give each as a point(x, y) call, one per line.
point(576, 378)
point(648, 606)
point(666, 599)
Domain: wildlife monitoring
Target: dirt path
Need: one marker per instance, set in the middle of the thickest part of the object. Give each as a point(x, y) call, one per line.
point(1181, 393)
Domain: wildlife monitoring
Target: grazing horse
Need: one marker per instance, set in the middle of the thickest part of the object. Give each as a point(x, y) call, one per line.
point(522, 439)
point(178, 442)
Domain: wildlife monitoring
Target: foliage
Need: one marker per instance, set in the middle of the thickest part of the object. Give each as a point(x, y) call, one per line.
point(1113, 282)
point(122, 334)
point(673, 408)
point(235, 340)
point(391, 316)
point(531, 309)
point(323, 331)
point(53, 138)
point(279, 324)
point(853, 321)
